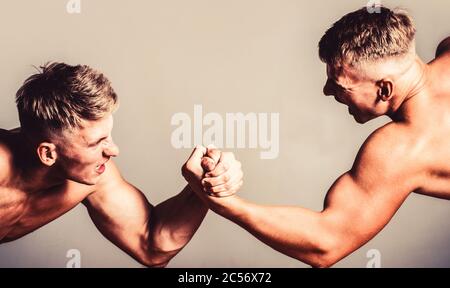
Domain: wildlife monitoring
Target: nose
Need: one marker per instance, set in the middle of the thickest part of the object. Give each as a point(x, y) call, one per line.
point(111, 150)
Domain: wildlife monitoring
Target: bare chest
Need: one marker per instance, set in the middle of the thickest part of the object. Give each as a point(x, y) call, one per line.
point(21, 214)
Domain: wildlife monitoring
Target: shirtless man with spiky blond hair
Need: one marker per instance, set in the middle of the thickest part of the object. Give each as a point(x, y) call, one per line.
point(372, 68)
point(61, 156)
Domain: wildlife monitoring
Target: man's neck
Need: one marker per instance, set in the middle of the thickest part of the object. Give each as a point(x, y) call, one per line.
point(33, 175)
point(41, 179)
point(411, 92)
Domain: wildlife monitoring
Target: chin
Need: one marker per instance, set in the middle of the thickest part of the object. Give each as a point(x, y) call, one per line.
point(86, 181)
point(89, 183)
point(363, 119)
point(359, 120)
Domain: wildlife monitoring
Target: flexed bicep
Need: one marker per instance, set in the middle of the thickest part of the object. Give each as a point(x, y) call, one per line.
point(353, 215)
point(152, 235)
point(122, 213)
point(362, 201)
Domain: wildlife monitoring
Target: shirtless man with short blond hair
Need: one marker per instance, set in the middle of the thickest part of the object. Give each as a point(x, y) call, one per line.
point(60, 157)
point(372, 68)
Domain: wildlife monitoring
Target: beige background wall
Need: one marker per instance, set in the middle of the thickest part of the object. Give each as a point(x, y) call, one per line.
point(229, 56)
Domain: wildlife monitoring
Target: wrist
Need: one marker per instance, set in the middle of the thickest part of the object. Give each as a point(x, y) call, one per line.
point(231, 207)
point(191, 192)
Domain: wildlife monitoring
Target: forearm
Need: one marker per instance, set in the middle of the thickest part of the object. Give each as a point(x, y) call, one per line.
point(294, 231)
point(173, 223)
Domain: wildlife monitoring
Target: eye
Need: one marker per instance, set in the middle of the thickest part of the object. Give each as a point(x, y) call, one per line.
point(97, 144)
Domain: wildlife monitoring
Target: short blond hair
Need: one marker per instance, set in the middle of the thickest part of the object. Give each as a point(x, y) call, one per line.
point(61, 96)
point(361, 36)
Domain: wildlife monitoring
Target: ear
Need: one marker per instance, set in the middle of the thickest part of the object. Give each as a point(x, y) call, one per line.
point(47, 153)
point(385, 89)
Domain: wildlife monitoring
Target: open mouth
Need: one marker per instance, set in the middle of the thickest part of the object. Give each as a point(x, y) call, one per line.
point(101, 168)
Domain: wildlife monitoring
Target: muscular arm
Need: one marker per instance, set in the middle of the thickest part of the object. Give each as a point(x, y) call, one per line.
point(150, 234)
point(357, 206)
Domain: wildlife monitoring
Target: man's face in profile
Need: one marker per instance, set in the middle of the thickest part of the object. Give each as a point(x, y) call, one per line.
point(351, 88)
point(83, 152)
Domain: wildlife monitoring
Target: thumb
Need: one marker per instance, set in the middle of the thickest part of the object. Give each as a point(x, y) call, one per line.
point(208, 164)
point(213, 153)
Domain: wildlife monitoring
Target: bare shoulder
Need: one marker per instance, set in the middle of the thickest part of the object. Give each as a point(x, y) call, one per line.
point(388, 156)
point(387, 142)
point(443, 47)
